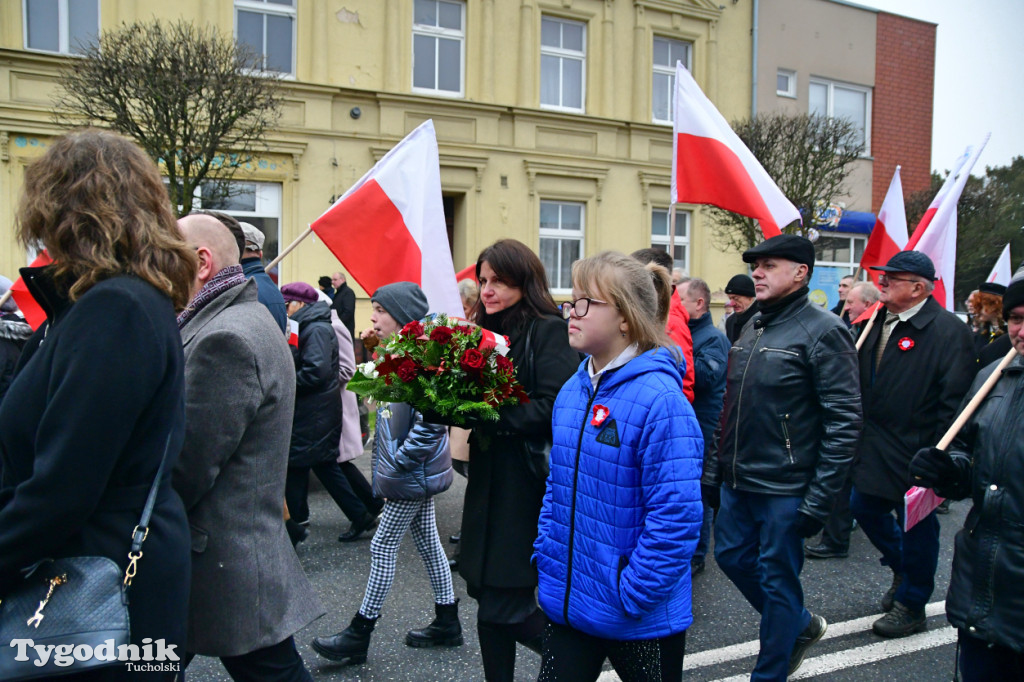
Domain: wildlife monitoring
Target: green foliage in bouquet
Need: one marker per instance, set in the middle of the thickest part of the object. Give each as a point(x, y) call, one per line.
point(455, 370)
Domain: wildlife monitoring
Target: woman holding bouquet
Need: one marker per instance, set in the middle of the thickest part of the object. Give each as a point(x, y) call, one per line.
point(622, 511)
point(503, 496)
point(411, 464)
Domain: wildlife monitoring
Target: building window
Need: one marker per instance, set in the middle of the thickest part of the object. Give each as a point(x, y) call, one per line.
point(268, 27)
point(563, 58)
point(65, 26)
point(785, 83)
point(663, 83)
point(838, 100)
point(561, 241)
point(438, 38)
point(258, 203)
point(839, 251)
point(660, 236)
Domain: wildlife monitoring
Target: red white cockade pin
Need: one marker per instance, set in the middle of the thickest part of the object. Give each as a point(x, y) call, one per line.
point(906, 343)
point(600, 414)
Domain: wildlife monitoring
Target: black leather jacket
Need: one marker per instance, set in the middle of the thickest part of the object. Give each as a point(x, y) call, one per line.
point(986, 590)
point(792, 413)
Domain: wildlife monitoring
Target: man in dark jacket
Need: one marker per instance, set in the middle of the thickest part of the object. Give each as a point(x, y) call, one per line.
point(710, 360)
point(344, 302)
point(252, 266)
point(915, 366)
point(788, 432)
point(840, 309)
point(740, 291)
point(239, 397)
point(986, 463)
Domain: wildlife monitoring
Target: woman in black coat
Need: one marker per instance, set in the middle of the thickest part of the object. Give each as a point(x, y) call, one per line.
point(100, 387)
point(505, 491)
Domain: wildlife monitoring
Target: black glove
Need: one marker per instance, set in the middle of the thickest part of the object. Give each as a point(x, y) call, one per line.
point(807, 526)
point(431, 417)
point(933, 468)
point(711, 495)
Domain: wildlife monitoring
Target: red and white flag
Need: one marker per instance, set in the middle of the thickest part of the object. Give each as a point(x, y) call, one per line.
point(33, 312)
point(1002, 271)
point(889, 236)
point(926, 219)
point(390, 227)
point(938, 240)
point(711, 165)
point(293, 333)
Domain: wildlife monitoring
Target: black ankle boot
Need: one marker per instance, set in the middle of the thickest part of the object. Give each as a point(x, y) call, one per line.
point(444, 631)
point(296, 532)
point(350, 645)
point(358, 527)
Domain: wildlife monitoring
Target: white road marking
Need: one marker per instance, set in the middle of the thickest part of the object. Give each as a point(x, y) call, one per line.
point(735, 652)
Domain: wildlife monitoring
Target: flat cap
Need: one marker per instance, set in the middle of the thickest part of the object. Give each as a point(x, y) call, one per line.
point(914, 262)
point(792, 247)
point(253, 237)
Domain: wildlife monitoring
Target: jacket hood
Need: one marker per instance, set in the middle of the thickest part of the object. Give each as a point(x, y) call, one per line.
point(656, 360)
point(13, 329)
point(314, 312)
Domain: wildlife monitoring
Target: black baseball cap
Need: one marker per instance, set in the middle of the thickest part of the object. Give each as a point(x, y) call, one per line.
point(914, 262)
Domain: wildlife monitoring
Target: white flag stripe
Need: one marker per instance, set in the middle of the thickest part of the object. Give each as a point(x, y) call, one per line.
point(893, 213)
point(1002, 271)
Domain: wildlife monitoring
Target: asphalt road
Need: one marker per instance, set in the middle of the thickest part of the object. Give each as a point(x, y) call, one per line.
point(720, 645)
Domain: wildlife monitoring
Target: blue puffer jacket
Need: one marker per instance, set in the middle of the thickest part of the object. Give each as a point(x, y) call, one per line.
point(411, 458)
point(622, 509)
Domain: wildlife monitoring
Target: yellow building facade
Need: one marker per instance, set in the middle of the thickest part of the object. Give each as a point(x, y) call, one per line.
point(552, 116)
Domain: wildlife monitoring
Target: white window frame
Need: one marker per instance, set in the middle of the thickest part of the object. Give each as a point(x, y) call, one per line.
point(854, 261)
point(560, 234)
point(63, 28)
point(566, 54)
point(436, 32)
point(684, 219)
point(670, 71)
point(264, 7)
point(830, 99)
point(791, 91)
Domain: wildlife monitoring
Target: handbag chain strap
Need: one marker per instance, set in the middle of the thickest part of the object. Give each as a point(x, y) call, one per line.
point(142, 529)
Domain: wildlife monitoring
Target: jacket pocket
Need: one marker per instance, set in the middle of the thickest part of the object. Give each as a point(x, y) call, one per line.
point(784, 351)
point(200, 538)
point(784, 421)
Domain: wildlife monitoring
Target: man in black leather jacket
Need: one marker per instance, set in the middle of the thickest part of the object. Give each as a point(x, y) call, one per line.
point(787, 436)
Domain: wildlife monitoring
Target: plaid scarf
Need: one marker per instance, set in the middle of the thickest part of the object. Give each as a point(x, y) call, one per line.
point(229, 277)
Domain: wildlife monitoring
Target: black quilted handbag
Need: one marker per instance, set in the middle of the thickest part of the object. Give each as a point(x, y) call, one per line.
point(77, 605)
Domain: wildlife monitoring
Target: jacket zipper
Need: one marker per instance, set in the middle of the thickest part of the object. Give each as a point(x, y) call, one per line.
point(785, 434)
point(739, 404)
point(572, 505)
point(779, 350)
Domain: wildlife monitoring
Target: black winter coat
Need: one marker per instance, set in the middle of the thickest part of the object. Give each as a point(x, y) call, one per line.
point(986, 588)
point(14, 332)
point(911, 398)
point(82, 432)
point(345, 303)
point(316, 427)
point(792, 414)
point(503, 495)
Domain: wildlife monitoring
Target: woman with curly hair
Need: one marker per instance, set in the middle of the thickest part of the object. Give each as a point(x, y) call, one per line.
point(987, 304)
point(98, 399)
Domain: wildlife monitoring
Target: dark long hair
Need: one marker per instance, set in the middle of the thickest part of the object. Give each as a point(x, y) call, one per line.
point(516, 265)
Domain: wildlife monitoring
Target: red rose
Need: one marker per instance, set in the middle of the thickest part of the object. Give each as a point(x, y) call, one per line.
point(472, 360)
point(413, 329)
point(442, 334)
point(407, 371)
point(505, 366)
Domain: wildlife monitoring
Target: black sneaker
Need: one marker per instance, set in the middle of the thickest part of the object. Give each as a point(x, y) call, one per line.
point(696, 566)
point(943, 507)
point(890, 596)
point(900, 622)
point(824, 551)
point(811, 634)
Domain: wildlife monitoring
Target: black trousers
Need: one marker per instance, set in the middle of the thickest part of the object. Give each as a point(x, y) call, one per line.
point(574, 656)
point(276, 663)
point(335, 482)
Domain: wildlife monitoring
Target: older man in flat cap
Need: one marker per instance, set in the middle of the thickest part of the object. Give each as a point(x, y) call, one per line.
point(788, 433)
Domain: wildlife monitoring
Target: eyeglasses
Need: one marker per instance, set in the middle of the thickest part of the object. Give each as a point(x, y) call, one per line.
point(581, 306)
point(884, 278)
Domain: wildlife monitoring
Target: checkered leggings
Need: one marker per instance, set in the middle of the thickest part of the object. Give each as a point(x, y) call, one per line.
point(398, 517)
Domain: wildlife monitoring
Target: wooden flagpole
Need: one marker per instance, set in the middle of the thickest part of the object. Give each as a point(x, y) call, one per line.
point(289, 248)
point(7, 295)
point(867, 328)
point(972, 406)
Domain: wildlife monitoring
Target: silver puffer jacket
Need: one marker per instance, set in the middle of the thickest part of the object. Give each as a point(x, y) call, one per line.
point(411, 458)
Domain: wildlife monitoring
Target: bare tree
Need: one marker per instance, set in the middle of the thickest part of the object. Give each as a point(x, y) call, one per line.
point(809, 158)
point(194, 100)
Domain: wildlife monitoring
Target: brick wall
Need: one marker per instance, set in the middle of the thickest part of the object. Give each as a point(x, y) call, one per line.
point(901, 120)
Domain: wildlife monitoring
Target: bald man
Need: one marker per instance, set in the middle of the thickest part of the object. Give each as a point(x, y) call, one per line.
point(239, 400)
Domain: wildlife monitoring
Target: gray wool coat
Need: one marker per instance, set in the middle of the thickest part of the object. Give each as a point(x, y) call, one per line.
point(248, 588)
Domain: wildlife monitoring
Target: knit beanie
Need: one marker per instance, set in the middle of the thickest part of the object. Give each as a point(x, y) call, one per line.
point(741, 285)
point(404, 301)
point(1014, 295)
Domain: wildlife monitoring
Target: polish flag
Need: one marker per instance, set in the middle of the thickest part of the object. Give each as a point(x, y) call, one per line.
point(938, 239)
point(293, 333)
point(32, 311)
point(711, 165)
point(1002, 272)
point(889, 236)
point(922, 224)
point(390, 227)
point(468, 272)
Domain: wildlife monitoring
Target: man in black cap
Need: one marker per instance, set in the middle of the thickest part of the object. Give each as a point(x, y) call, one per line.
point(915, 366)
point(740, 291)
point(787, 435)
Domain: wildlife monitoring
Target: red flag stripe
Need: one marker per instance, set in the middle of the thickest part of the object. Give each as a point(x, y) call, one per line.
point(32, 311)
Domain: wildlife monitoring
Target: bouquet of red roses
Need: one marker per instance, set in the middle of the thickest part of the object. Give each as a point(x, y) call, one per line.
point(442, 366)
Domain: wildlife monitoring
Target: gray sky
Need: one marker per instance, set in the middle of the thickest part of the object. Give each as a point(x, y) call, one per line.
point(979, 76)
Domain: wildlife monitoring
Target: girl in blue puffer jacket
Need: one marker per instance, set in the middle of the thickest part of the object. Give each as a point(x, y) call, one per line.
point(622, 510)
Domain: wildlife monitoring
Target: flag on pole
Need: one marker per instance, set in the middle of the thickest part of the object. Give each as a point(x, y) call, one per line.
point(390, 226)
point(293, 333)
point(938, 239)
point(32, 311)
point(889, 236)
point(711, 165)
point(922, 224)
point(1002, 271)
point(468, 272)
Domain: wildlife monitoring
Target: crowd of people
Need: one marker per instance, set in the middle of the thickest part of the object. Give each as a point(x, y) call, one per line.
point(650, 436)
